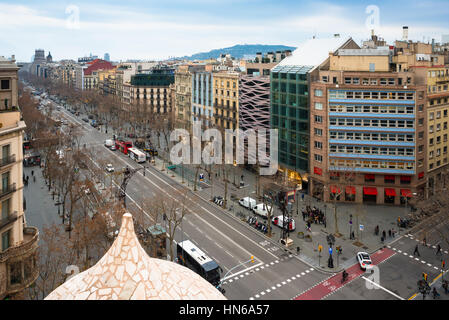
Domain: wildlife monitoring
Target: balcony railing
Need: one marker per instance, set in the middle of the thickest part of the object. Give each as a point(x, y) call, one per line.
point(22, 258)
point(7, 160)
point(9, 189)
point(9, 219)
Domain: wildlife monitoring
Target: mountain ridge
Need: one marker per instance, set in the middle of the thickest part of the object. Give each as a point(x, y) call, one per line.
point(237, 51)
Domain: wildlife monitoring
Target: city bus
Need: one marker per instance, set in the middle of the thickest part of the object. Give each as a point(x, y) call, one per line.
point(192, 257)
point(137, 155)
point(123, 146)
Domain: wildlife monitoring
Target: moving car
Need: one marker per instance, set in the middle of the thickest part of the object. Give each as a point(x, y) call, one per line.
point(247, 202)
point(262, 209)
point(364, 260)
point(279, 221)
point(109, 168)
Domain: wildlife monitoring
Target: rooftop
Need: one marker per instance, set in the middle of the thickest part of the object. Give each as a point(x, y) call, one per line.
point(313, 52)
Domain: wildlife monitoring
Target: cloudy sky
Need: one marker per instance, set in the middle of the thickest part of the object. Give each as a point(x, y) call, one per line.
point(158, 29)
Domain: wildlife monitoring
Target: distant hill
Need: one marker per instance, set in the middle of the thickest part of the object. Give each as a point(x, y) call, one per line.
point(238, 51)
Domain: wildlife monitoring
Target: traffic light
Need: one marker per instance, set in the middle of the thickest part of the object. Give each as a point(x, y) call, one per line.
point(320, 247)
point(443, 264)
point(252, 259)
point(424, 275)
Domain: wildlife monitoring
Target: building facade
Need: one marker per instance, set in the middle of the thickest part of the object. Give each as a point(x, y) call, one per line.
point(18, 268)
point(226, 100)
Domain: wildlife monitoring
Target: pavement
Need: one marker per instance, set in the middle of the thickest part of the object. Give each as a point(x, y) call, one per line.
point(40, 210)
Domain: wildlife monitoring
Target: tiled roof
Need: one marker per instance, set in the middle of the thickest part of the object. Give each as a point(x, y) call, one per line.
point(96, 65)
point(126, 272)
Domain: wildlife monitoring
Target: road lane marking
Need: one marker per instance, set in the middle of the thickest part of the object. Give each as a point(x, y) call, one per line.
point(385, 289)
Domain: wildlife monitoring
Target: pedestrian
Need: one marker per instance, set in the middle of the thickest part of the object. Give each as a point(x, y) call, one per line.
point(438, 250)
point(32, 172)
point(389, 233)
point(34, 178)
point(393, 232)
point(376, 231)
point(424, 242)
point(445, 285)
point(324, 221)
point(384, 234)
point(416, 251)
point(382, 239)
point(352, 235)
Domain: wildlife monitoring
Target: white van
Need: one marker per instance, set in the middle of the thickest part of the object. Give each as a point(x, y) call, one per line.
point(248, 202)
point(262, 209)
point(109, 143)
point(279, 221)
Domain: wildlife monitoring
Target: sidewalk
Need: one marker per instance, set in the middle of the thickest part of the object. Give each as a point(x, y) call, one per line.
point(369, 216)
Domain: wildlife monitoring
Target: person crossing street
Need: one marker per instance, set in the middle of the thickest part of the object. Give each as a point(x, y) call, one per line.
point(416, 251)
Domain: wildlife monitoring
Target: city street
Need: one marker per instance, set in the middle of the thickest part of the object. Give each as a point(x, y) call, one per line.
point(276, 273)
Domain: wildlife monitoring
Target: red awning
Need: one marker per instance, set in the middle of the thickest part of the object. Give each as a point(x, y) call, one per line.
point(350, 190)
point(390, 192)
point(369, 176)
point(335, 189)
point(370, 191)
point(406, 178)
point(406, 193)
point(421, 175)
point(317, 171)
point(387, 177)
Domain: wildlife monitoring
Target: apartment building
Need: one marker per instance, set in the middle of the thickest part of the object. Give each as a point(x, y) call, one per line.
point(18, 268)
point(367, 126)
point(226, 100)
point(153, 89)
point(203, 97)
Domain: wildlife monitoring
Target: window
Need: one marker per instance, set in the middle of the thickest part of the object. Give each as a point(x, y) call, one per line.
point(318, 132)
point(372, 67)
point(318, 158)
point(318, 106)
point(319, 119)
point(6, 240)
point(4, 84)
point(318, 93)
point(318, 145)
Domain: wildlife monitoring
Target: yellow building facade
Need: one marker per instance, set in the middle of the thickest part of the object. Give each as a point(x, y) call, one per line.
point(226, 100)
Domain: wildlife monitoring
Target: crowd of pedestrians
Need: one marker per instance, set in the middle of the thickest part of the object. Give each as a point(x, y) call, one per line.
point(313, 215)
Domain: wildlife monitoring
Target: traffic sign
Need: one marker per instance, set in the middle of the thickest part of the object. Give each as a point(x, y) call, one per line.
point(361, 227)
point(330, 250)
point(320, 247)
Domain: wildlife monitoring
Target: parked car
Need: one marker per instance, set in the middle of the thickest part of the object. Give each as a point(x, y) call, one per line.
point(279, 221)
point(262, 209)
point(247, 202)
point(109, 168)
point(113, 148)
point(85, 120)
point(364, 260)
point(218, 200)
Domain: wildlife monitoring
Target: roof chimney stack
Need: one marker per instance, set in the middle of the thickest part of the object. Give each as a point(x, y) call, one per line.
point(405, 33)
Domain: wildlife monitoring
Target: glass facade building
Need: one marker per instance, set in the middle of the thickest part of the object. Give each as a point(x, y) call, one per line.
point(289, 113)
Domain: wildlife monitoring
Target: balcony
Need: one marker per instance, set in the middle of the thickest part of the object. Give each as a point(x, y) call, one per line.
point(8, 220)
point(7, 160)
point(8, 190)
point(21, 265)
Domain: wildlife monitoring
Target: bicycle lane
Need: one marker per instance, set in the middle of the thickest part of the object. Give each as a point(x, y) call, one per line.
point(333, 283)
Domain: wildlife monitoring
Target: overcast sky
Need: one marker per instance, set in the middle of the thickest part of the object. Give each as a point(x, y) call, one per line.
point(158, 29)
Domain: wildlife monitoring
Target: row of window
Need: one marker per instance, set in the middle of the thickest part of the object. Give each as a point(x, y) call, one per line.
point(438, 139)
point(375, 81)
point(371, 136)
point(438, 152)
point(228, 84)
point(438, 73)
point(438, 127)
point(392, 95)
point(371, 123)
point(228, 94)
point(372, 150)
point(437, 115)
point(437, 164)
point(371, 164)
point(370, 109)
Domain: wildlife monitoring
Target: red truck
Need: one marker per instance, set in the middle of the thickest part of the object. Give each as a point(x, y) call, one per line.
point(123, 146)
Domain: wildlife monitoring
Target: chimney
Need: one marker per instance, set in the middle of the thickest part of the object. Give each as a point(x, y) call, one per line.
point(336, 35)
point(405, 33)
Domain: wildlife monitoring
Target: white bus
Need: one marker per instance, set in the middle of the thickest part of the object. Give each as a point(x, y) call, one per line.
point(192, 257)
point(137, 155)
